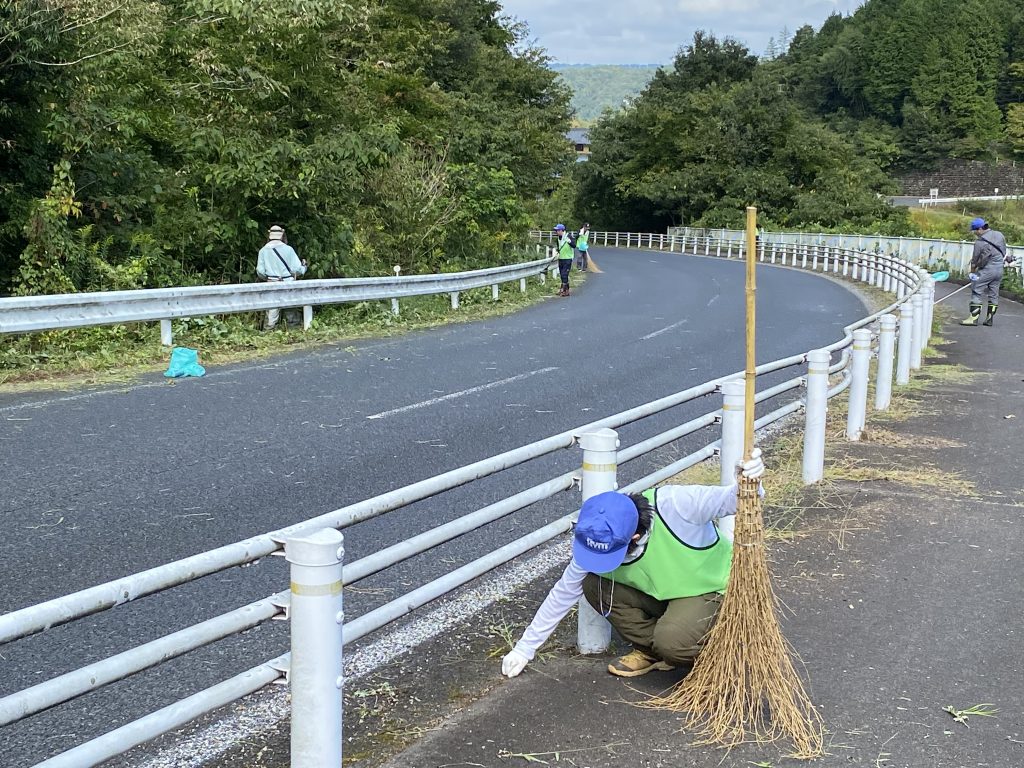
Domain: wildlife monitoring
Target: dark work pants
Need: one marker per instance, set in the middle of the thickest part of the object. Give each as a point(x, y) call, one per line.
point(564, 267)
point(672, 630)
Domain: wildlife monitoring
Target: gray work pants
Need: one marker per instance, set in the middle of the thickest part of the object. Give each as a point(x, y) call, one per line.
point(273, 315)
point(672, 630)
point(986, 287)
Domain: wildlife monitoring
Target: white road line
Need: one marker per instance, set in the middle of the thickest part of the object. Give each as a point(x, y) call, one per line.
point(672, 327)
point(463, 393)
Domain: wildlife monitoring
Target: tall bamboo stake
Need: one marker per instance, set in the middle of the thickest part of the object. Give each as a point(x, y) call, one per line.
point(743, 685)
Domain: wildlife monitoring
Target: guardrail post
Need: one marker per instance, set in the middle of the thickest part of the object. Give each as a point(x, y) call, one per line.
point(315, 675)
point(917, 348)
point(522, 285)
point(494, 292)
point(394, 307)
point(814, 260)
point(730, 453)
point(307, 316)
point(707, 245)
point(803, 259)
point(600, 466)
point(929, 305)
point(455, 298)
point(857, 412)
point(906, 343)
point(166, 333)
point(886, 345)
point(815, 414)
point(846, 263)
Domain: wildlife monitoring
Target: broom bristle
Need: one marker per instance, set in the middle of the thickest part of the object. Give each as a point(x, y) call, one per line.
point(592, 267)
point(743, 685)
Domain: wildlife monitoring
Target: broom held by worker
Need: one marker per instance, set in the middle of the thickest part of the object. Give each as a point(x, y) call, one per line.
point(654, 564)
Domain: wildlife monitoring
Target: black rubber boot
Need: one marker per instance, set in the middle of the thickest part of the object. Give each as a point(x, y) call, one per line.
point(975, 315)
point(991, 314)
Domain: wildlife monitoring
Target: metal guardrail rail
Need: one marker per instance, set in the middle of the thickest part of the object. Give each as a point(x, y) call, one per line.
point(929, 253)
point(79, 310)
point(319, 711)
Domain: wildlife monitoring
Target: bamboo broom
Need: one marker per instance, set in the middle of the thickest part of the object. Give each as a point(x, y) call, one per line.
point(743, 685)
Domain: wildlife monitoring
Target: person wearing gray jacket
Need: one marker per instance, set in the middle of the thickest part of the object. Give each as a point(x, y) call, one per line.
point(277, 262)
point(986, 271)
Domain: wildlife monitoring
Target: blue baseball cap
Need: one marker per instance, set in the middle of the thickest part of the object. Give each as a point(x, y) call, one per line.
point(606, 526)
point(560, 227)
point(978, 224)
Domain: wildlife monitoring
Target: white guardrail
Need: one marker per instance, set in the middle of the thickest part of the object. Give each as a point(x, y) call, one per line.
point(79, 310)
point(314, 548)
point(933, 255)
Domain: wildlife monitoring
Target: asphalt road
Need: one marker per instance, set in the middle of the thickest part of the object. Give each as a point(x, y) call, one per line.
point(105, 483)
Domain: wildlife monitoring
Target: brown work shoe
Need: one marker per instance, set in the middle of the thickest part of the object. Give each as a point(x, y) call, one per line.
point(636, 663)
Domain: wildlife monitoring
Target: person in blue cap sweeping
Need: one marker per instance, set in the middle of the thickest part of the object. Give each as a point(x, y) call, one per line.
point(565, 245)
point(654, 564)
point(987, 264)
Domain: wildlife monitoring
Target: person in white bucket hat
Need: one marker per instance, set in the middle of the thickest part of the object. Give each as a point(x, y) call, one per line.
point(278, 262)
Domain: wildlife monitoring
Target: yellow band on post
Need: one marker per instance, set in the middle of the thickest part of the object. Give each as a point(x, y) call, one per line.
point(316, 590)
point(588, 467)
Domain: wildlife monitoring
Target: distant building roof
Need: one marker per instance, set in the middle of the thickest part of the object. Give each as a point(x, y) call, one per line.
point(579, 136)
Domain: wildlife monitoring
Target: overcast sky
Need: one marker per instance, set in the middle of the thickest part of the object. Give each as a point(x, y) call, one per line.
point(651, 31)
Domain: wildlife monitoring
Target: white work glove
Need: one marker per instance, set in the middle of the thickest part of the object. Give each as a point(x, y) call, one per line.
point(513, 663)
point(974, 278)
point(753, 467)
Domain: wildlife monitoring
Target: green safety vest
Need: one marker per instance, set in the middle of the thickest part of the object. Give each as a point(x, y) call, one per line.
point(583, 240)
point(669, 569)
point(564, 247)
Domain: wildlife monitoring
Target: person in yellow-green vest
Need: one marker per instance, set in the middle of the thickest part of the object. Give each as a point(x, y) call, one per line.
point(583, 246)
point(654, 564)
point(564, 246)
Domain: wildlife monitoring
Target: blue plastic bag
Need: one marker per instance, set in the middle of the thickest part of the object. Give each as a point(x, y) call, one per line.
point(184, 362)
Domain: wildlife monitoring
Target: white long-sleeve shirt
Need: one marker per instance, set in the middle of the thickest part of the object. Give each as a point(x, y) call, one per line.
point(687, 510)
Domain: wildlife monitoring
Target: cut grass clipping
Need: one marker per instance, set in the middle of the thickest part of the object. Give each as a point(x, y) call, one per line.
point(978, 710)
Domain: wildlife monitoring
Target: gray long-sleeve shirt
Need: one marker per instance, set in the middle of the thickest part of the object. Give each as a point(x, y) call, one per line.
point(269, 266)
point(989, 250)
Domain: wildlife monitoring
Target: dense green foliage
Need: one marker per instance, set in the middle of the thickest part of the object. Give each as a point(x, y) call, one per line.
point(810, 134)
point(925, 79)
point(152, 143)
point(599, 87)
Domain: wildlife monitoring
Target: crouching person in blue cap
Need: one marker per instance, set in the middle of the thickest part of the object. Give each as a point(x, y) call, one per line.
point(654, 564)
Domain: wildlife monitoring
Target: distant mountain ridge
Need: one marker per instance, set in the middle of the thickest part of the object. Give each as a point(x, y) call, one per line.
point(597, 87)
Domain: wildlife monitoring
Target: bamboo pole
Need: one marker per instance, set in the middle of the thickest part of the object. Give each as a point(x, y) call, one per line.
point(751, 368)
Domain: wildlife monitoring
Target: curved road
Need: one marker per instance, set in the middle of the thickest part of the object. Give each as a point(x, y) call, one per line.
point(105, 483)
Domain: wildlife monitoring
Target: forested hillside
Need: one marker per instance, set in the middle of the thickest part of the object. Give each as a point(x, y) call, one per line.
point(812, 135)
point(597, 87)
point(923, 78)
point(152, 143)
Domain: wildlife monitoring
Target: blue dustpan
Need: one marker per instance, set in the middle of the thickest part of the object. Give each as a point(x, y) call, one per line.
point(940, 277)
